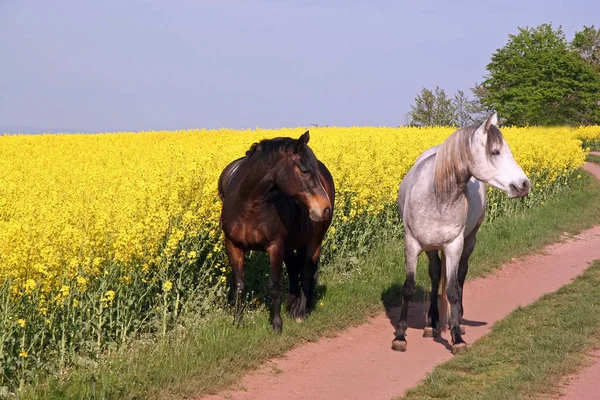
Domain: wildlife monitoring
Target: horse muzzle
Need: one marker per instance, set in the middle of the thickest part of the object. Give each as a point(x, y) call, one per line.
point(520, 188)
point(321, 216)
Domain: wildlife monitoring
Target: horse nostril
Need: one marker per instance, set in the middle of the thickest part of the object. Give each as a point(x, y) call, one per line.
point(327, 212)
point(526, 185)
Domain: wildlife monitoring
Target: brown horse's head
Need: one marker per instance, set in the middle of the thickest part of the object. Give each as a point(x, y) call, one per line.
point(297, 176)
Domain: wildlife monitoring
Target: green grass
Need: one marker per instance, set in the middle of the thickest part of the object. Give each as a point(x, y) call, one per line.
point(528, 352)
point(208, 355)
point(593, 158)
point(593, 145)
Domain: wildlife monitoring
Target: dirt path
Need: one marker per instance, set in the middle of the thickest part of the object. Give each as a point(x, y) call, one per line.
point(584, 386)
point(359, 362)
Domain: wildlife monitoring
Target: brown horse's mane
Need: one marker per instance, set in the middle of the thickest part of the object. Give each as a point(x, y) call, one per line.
point(269, 150)
point(454, 159)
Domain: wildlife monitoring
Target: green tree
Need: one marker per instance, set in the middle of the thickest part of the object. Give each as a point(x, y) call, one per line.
point(477, 109)
point(536, 79)
point(432, 108)
point(587, 44)
point(463, 108)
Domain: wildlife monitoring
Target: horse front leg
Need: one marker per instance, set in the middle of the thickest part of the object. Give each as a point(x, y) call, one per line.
point(453, 252)
point(411, 252)
point(236, 258)
point(293, 263)
point(310, 273)
point(463, 268)
point(276, 254)
point(435, 274)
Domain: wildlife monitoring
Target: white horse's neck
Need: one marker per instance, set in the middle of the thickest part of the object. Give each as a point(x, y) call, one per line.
point(452, 169)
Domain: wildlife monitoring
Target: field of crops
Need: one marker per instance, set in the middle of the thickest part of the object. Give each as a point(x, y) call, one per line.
point(111, 235)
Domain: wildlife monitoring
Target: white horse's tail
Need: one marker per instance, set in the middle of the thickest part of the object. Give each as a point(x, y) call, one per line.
point(443, 303)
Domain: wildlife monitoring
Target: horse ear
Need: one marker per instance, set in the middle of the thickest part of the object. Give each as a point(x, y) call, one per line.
point(302, 140)
point(492, 120)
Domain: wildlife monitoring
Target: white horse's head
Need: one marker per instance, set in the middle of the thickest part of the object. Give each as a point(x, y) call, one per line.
point(492, 161)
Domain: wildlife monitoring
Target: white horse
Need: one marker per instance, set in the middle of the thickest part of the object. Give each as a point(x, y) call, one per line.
point(442, 204)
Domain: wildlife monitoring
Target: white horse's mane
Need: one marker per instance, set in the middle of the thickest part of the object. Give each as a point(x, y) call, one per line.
point(453, 160)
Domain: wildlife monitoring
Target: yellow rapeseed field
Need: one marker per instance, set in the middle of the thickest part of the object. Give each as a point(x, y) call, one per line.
point(71, 203)
point(590, 135)
point(84, 217)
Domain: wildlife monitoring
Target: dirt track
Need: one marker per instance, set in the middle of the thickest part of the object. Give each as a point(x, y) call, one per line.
point(359, 363)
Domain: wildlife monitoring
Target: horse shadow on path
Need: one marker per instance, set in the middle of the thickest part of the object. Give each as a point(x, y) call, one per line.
point(417, 311)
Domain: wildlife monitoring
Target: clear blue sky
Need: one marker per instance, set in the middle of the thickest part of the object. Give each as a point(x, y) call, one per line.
point(131, 65)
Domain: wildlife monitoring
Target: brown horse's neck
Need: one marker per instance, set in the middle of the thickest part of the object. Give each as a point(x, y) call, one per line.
point(259, 180)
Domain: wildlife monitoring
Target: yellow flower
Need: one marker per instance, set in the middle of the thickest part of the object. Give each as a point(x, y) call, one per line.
point(192, 254)
point(168, 285)
point(109, 295)
point(23, 354)
point(29, 285)
point(223, 279)
point(64, 291)
point(21, 322)
point(75, 302)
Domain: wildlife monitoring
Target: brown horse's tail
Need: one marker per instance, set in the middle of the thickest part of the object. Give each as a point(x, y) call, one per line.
point(443, 303)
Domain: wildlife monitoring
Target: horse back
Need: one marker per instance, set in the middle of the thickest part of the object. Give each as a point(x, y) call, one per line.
point(227, 175)
point(415, 175)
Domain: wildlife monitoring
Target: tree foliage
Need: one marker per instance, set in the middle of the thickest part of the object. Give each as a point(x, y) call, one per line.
point(537, 79)
point(436, 108)
point(431, 108)
point(587, 44)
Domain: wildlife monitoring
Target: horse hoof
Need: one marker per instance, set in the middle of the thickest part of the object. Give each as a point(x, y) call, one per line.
point(299, 320)
point(399, 345)
point(278, 327)
point(430, 332)
point(463, 330)
point(459, 348)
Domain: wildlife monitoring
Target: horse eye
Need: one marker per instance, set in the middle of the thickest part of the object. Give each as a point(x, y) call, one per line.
point(304, 171)
point(496, 152)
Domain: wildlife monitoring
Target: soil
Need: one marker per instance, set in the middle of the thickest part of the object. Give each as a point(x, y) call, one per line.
point(584, 386)
point(360, 364)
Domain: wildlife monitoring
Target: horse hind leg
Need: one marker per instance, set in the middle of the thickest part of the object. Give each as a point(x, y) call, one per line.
point(295, 303)
point(236, 258)
point(435, 274)
point(411, 251)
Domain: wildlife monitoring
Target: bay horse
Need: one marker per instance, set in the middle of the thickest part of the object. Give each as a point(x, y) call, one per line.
point(442, 205)
point(278, 198)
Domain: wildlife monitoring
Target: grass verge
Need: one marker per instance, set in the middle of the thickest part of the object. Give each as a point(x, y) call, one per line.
point(527, 353)
point(208, 355)
point(593, 158)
